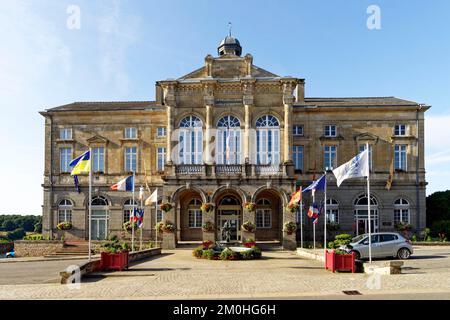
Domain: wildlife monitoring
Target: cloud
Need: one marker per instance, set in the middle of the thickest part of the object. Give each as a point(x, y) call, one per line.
point(117, 32)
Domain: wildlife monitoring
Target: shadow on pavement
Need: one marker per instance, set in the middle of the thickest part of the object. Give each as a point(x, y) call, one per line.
point(414, 257)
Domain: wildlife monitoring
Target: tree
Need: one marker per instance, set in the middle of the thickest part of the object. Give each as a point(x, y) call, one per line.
point(9, 225)
point(438, 207)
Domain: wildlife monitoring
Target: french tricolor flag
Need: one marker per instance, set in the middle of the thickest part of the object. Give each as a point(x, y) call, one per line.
point(124, 184)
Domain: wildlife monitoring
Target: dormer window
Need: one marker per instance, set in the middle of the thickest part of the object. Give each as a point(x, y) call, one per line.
point(400, 130)
point(330, 131)
point(65, 134)
point(130, 133)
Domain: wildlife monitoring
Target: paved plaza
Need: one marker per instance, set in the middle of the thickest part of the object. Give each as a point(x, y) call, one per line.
point(279, 275)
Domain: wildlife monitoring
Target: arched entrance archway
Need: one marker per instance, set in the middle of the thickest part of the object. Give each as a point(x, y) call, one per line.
point(229, 214)
point(362, 217)
point(191, 218)
point(268, 216)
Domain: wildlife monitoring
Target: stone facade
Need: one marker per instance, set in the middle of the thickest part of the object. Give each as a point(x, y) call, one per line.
point(250, 159)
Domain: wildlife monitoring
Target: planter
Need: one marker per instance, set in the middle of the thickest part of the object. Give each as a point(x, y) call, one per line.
point(114, 261)
point(339, 262)
point(249, 244)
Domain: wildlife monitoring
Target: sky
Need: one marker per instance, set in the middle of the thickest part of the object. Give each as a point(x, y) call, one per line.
point(123, 46)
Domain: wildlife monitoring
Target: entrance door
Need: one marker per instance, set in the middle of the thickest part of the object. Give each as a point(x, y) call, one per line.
point(362, 221)
point(229, 219)
point(99, 224)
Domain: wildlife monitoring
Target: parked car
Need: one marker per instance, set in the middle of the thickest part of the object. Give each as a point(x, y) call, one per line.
point(384, 244)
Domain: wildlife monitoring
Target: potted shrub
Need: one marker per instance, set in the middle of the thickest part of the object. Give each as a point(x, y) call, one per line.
point(339, 260)
point(290, 227)
point(207, 207)
point(168, 227)
point(114, 255)
point(159, 227)
point(228, 254)
point(250, 206)
point(292, 207)
point(198, 252)
point(249, 243)
point(248, 226)
point(207, 244)
point(128, 226)
point(208, 227)
point(66, 225)
point(166, 206)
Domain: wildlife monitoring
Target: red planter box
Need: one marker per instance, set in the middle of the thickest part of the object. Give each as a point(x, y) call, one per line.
point(114, 261)
point(249, 244)
point(339, 262)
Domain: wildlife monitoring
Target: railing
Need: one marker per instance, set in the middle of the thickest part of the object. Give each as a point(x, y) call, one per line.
point(186, 169)
point(268, 170)
point(228, 169)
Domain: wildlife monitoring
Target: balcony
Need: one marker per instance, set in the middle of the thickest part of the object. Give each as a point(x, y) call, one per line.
point(225, 170)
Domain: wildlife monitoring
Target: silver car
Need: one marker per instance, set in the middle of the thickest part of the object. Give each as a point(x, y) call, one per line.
point(384, 244)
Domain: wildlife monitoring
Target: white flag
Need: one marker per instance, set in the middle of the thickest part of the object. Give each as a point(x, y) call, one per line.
point(141, 193)
point(357, 167)
point(153, 198)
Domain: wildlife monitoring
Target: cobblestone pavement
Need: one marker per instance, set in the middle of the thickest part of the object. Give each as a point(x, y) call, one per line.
point(178, 275)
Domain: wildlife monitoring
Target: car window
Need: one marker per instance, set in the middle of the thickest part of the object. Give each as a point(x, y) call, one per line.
point(388, 237)
point(358, 238)
point(375, 238)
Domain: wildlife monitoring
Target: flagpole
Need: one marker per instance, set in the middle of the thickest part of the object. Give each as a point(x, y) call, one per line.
point(368, 204)
point(301, 223)
point(314, 225)
point(325, 215)
point(141, 195)
point(90, 204)
point(132, 221)
point(156, 218)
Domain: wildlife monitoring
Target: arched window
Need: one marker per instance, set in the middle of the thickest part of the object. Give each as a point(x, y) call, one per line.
point(267, 140)
point(191, 141)
point(99, 201)
point(65, 211)
point(128, 209)
point(332, 211)
point(263, 214)
point(195, 214)
point(230, 201)
point(362, 217)
point(228, 145)
point(401, 211)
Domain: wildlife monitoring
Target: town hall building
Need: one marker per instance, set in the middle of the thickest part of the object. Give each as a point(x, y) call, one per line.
point(241, 139)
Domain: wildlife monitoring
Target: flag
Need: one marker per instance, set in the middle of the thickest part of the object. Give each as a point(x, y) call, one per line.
point(296, 196)
point(82, 164)
point(313, 211)
point(139, 217)
point(153, 198)
point(77, 183)
point(316, 217)
point(126, 184)
point(391, 176)
point(141, 194)
point(356, 167)
point(319, 184)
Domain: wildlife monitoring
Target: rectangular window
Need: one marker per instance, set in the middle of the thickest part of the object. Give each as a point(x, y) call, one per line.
point(332, 215)
point(297, 157)
point(159, 215)
point(401, 215)
point(400, 130)
point(330, 157)
point(161, 159)
point(65, 157)
point(263, 218)
point(127, 215)
point(130, 133)
point(130, 159)
point(64, 215)
point(98, 159)
point(161, 132)
point(65, 134)
point(330, 131)
point(400, 161)
point(195, 218)
point(297, 130)
point(362, 147)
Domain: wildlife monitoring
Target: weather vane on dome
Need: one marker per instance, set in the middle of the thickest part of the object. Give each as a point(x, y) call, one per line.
point(230, 26)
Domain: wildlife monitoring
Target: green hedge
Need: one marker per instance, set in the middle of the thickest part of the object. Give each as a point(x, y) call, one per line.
point(440, 227)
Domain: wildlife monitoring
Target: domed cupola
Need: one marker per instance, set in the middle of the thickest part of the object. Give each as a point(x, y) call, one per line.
point(230, 46)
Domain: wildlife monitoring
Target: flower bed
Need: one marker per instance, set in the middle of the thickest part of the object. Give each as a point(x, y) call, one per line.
point(213, 252)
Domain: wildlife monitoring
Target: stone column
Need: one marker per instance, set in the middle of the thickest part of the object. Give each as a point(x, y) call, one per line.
point(248, 216)
point(207, 155)
point(169, 135)
point(209, 217)
point(288, 101)
point(170, 102)
point(169, 239)
point(289, 240)
point(248, 88)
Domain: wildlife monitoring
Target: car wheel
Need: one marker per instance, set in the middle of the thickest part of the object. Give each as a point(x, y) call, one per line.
point(403, 254)
point(357, 255)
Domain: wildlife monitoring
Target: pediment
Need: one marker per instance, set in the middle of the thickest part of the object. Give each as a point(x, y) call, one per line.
point(97, 139)
point(229, 69)
point(366, 136)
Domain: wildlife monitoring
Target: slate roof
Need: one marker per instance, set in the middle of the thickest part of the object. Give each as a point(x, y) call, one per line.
point(106, 106)
point(358, 102)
